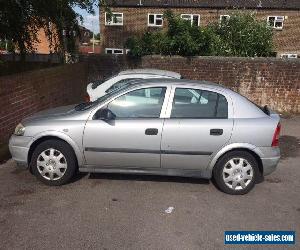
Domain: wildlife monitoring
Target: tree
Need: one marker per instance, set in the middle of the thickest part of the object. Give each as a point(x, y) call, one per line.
point(20, 20)
point(241, 35)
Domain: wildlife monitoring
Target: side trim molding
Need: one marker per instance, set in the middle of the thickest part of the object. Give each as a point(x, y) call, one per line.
point(145, 151)
point(122, 150)
point(175, 152)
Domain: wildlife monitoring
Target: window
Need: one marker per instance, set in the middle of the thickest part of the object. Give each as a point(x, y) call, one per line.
point(120, 84)
point(114, 51)
point(155, 20)
point(194, 19)
point(289, 56)
point(141, 103)
point(276, 22)
point(195, 103)
point(224, 18)
point(114, 19)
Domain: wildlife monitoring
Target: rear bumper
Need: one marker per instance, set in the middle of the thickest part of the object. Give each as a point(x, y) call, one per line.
point(19, 148)
point(270, 157)
point(269, 165)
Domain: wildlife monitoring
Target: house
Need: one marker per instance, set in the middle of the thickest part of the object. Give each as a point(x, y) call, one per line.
point(43, 46)
point(133, 17)
point(85, 35)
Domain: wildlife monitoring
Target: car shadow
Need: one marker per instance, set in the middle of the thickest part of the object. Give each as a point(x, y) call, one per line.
point(150, 178)
point(78, 176)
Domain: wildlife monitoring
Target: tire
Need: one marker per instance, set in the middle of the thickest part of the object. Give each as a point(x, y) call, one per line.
point(53, 162)
point(236, 172)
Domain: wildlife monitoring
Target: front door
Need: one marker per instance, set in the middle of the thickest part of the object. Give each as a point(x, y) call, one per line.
point(132, 139)
point(198, 127)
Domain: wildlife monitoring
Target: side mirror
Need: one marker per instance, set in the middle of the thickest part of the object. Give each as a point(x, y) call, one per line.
point(104, 114)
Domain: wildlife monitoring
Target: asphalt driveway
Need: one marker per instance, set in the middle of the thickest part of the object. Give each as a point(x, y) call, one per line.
point(128, 212)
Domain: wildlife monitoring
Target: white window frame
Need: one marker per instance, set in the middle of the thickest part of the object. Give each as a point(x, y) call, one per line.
point(155, 18)
point(112, 21)
point(114, 51)
point(226, 16)
point(276, 20)
point(289, 55)
point(191, 18)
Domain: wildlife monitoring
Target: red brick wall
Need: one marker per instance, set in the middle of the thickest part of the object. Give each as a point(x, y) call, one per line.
point(266, 81)
point(43, 45)
point(89, 49)
point(26, 93)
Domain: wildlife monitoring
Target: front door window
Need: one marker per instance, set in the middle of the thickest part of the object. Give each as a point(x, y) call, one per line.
point(141, 103)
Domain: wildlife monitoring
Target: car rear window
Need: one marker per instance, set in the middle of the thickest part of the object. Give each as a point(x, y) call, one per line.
point(197, 104)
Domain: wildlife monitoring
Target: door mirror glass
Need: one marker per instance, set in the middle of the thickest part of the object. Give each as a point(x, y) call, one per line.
point(104, 114)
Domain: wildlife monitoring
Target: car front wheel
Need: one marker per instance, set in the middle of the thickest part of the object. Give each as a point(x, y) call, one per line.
point(53, 162)
point(236, 172)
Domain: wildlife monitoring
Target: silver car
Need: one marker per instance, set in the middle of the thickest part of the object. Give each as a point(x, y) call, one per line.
point(158, 127)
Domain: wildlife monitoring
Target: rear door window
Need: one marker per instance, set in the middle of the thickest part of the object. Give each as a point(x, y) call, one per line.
point(198, 104)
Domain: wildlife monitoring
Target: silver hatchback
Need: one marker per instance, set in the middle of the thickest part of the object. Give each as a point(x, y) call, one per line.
point(155, 126)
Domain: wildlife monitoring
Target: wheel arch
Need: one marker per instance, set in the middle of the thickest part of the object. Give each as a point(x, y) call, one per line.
point(57, 136)
point(237, 147)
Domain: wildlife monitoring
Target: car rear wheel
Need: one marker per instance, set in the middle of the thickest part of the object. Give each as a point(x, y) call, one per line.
point(236, 172)
point(53, 162)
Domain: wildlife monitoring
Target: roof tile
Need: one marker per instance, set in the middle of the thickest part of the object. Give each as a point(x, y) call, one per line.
point(251, 4)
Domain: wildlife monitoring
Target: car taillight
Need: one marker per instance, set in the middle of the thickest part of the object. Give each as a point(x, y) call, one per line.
point(275, 141)
point(87, 98)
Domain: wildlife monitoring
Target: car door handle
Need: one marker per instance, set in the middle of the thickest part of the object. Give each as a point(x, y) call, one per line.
point(151, 131)
point(216, 131)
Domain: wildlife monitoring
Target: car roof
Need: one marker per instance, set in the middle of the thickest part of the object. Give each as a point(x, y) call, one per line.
point(181, 82)
point(151, 72)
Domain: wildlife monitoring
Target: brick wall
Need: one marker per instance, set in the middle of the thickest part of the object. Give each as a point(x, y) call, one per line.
point(274, 82)
point(26, 93)
point(43, 45)
point(266, 81)
point(135, 22)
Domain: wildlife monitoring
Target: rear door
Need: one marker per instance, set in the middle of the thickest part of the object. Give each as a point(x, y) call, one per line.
point(196, 128)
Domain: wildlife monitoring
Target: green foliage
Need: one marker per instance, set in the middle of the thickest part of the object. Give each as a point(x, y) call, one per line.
point(20, 20)
point(241, 35)
point(97, 36)
point(6, 44)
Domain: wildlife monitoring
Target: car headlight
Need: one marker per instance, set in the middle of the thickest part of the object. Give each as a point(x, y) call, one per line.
point(20, 129)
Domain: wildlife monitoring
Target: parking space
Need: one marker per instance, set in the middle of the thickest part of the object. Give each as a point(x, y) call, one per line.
point(106, 211)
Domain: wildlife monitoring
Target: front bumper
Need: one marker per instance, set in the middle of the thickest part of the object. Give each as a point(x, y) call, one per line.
point(19, 148)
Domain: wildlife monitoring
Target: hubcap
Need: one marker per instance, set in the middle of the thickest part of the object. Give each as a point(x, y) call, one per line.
point(237, 173)
point(52, 164)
